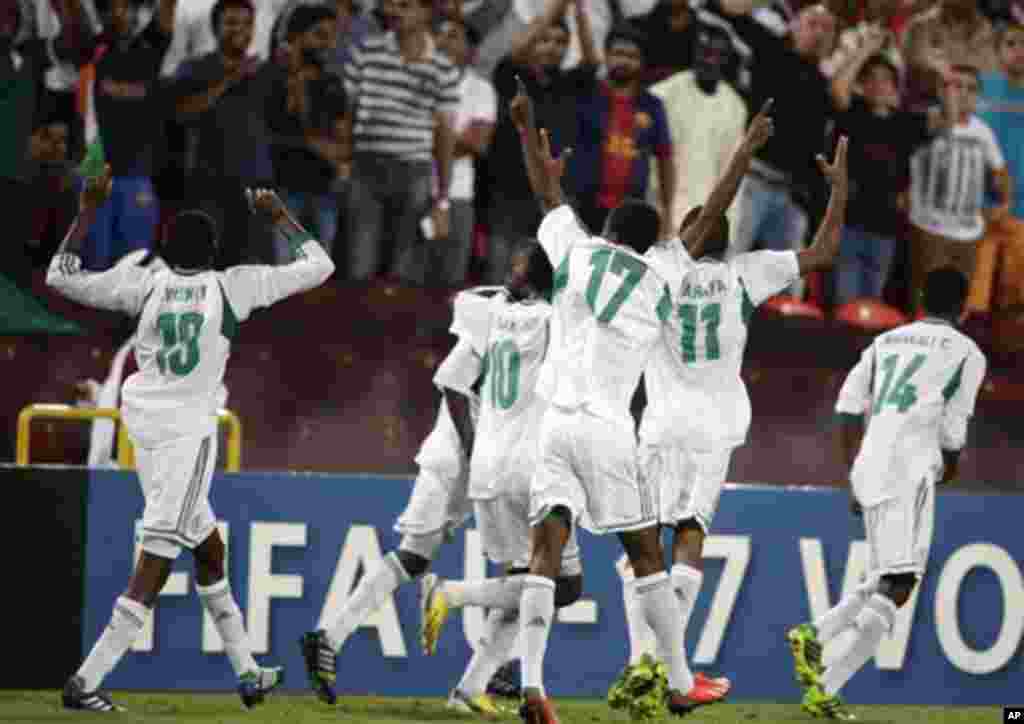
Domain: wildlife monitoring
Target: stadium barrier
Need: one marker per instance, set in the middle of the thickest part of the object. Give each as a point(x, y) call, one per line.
point(297, 543)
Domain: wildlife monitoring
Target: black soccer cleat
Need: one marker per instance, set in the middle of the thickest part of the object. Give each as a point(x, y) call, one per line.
point(253, 686)
point(75, 697)
point(505, 682)
point(320, 665)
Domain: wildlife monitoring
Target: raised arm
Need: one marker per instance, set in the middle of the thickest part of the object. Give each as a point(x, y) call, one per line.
point(821, 254)
point(846, 77)
point(544, 170)
point(760, 130)
point(522, 43)
point(588, 48)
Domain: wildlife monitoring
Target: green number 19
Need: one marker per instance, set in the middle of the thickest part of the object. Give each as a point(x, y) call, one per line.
point(180, 335)
point(710, 315)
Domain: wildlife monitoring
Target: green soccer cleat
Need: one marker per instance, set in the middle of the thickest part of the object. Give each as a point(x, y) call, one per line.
point(640, 690)
point(806, 650)
point(819, 704)
point(253, 686)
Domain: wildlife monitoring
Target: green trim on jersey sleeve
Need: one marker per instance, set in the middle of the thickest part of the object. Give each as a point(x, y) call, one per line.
point(664, 308)
point(848, 418)
point(954, 383)
point(561, 278)
point(229, 320)
point(295, 241)
point(748, 304)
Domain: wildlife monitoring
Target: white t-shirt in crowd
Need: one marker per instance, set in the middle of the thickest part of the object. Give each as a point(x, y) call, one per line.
point(478, 103)
point(948, 179)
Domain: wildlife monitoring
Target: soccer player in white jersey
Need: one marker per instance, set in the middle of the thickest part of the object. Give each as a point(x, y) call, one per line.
point(609, 307)
point(438, 504)
point(698, 409)
point(187, 315)
point(903, 415)
point(514, 342)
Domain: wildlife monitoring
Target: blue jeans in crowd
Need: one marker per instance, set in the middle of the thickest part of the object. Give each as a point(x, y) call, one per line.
point(128, 221)
point(863, 265)
point(769, 215)
point(325, 217)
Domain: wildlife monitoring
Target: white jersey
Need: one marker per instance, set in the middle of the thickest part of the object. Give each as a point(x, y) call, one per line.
point(514, 350)
point(186, 323)
point(916, 386)
point(441, 451)
point(608, 310)
point(695, 395)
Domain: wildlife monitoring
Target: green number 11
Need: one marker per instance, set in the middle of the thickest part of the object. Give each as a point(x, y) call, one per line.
point(710, 315)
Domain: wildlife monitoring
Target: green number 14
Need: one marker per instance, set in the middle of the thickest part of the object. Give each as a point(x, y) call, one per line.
point(710, 315)
point(903, 394)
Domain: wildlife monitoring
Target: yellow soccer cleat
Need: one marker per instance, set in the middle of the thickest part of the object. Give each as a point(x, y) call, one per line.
point(434, 613)
point(482, 705)
point(806, 650)
point(819, 704)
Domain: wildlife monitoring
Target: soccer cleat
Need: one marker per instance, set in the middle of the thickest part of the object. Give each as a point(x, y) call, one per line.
point(75, 697)
point(717, 682)
point(641, 689)
point(505, 682)
point(819, 704)
point(806, 650)
point(702, 694)
point(538, 711)
point(253, 686)
point(481, 704)
point(320, 665)
point(435, 613)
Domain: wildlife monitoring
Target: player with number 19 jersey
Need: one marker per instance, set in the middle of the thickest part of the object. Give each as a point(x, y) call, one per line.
point(698, 409)
point(609, 307)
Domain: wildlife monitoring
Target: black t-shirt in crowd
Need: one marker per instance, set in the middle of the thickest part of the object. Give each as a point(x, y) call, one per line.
point(879, 163)
point(130, 105)
point(555, 109)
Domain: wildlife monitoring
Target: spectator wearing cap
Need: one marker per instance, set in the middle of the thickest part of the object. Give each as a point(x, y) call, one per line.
point(130, 109)
point(304, 120)
point(999, 267)
point(706, 121)
point(778, 191)
point(23, 61)
point(882, 139)
point(948, 180)
point(473, 124)
point(621, 129)
point(403, 92)
point(225, 98)
point(511, 209)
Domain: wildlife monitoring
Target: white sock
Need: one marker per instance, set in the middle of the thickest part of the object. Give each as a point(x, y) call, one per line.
point(641, 638)
point(373, 588)
point(871, 624)
point(503, 592)
point(842, 615)
point(536, 613)
point(125, 624)
point(686, 582)
point(838, 646)
point(228, 619)
point(492, 651)
point(661, 609)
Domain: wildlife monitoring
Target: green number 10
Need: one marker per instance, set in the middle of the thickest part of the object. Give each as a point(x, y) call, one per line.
point(710, 315)
point(504, 372)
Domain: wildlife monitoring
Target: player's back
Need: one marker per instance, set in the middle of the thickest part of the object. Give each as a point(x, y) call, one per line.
point(182, 347)
point(914, 374)
point(511, 408)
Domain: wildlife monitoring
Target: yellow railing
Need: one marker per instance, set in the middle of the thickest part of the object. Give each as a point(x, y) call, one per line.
point(125, 453)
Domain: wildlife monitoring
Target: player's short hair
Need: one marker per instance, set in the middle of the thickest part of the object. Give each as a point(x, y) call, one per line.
point(190, 241)
point(221, 6)
point(719, 240)
point(634, 223)
point(945, 291)
point(540, 275)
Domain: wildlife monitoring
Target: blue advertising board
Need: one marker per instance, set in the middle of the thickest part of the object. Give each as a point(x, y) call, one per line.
point(297, 544)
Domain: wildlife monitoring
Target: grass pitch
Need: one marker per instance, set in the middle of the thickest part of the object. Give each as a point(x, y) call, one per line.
point(27, 707)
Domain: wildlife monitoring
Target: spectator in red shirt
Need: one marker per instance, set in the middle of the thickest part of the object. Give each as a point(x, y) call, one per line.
point(620, 127)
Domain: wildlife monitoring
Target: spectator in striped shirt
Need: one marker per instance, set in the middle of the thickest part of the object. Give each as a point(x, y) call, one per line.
point(403, 93)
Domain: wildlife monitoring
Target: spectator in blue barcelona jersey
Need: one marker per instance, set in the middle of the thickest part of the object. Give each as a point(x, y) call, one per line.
point(130, 110)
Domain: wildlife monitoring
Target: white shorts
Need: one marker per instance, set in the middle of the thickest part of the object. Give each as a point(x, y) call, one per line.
point(175, 480)
point(899, 532)
point(437, 504)
point(504, 525)
point(687, 483)
point(589, 465)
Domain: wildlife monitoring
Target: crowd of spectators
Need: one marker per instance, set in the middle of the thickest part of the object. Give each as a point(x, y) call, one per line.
point(386, 127)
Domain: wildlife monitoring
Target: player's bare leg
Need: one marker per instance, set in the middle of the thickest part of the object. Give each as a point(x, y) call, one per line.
point(131, 611)
point(661, 609)
point(687, 578)
point(254, 681)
